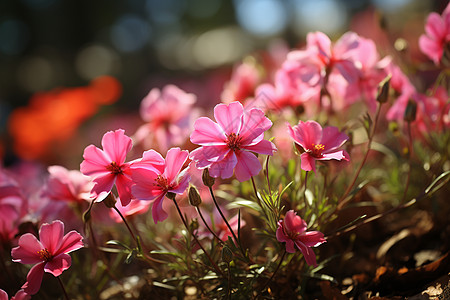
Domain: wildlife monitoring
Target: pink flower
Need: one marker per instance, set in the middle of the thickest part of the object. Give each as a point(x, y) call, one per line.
point(437, 29)
point(318, 144)
point(107, 167)
point(154, 177)
point(65, 185)
point(50, 254)
point(242, 84)
point(169, 115)
point(292, 230)
point(228, 144)
point(20, 295)
point(433, 112)
point(13, 207)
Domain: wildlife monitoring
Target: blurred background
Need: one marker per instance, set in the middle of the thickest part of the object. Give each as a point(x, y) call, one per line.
point(58, 44)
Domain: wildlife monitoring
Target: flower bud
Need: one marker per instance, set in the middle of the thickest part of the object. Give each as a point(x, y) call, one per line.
point(110, 201)
point(383, 90)
point(207, 179)
point(194, 196)
point(171, 195)
point(227, 255)
point(410, 111)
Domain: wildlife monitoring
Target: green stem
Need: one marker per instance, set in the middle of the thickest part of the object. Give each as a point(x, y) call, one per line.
point(342, 200)
point(195, 238)
point(62, 287)
point(207, 226)
point(410, 149)
point(273, 274)
point(222, 215)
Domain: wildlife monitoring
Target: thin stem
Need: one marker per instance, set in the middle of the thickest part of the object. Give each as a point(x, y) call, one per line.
point(267, 174)
point(126, 223)
point(207, 226)
point(222, 215)
point(256, 191)
point(304, 190)
point(410, 149)
point(138, 244)
point(195, 238)
point(62, 287)
point(342, 200)
point(273, 274)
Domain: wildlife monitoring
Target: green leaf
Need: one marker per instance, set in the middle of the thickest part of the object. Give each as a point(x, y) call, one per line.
point(118, 243)
point(431, 189)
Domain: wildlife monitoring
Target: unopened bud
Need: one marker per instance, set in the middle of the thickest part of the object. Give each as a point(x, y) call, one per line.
point(410, 111)
point(383, 90)
point(110, 201)
point(207, 179)
point(194, 196)
point(227, 255)
point(171, 195)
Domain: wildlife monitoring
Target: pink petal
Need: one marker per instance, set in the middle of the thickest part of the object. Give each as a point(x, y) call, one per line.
point(182, 184)
point(3, 295)
point(253, 126)
point(21, 295)
point(282, 238)
point(312, 238)
point(435, 26)
point(116, 145)
point(431, 48)
point(123, 185)
point(306, 134)
point(224, 168)
point(175, 160)
point(215, 153)
point(200, 159)
point(308, 162)
point(34, 279)
point(247, 165)
point(71, 241)
point(308, 253)
point(58, 264)
point(294, 223)
point(103, 183)
point(321, 42)
point(27, 251)
point(51, 235)
point(95, 162)
point(158, 212)
point(346, 43)
point(207, 132)
point(332, 138)
point(338, 155)
point(150, 158)
point(229, 116)
point(263, 147)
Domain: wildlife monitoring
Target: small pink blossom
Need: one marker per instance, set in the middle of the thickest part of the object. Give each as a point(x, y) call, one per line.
point(318, 143)
point(292, 230)
point(169, 115)
point(155, 176)
point(433, 112)
point(50, 254)
point(242, 84)
point(20, 295)
point(65, 185)
point(13, 207)
point(437, 35)
point(228, 144)
point(108, 167)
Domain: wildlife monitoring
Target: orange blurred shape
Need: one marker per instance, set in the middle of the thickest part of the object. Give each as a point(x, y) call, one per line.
point(54, 116)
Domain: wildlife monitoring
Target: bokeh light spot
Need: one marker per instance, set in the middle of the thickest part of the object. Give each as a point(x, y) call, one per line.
point(261, 17)
point(130, 33)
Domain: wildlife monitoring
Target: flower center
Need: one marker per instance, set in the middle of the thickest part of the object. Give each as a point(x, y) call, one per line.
point(317, 150)
point(162, 182)
point(45, 255)
point(114, 168)
point(233, 141)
